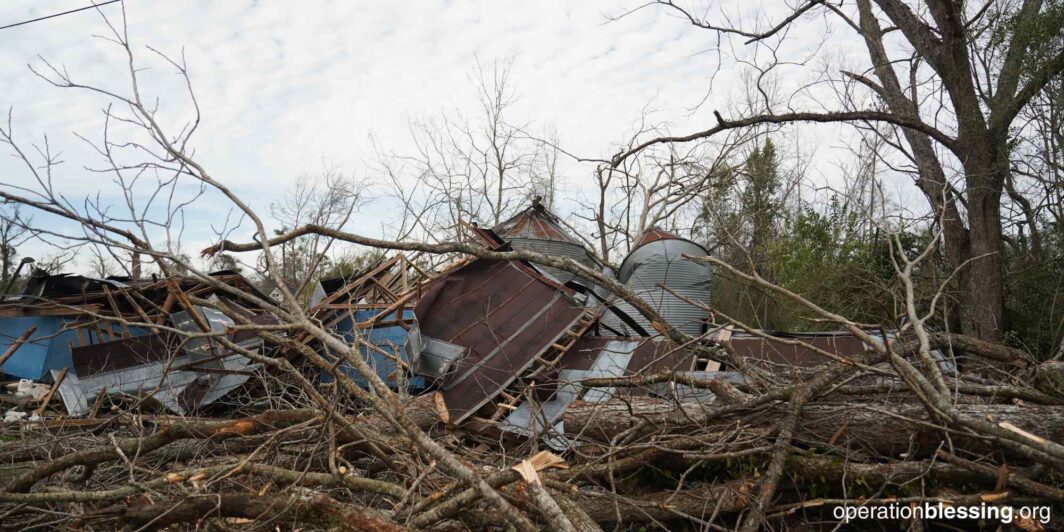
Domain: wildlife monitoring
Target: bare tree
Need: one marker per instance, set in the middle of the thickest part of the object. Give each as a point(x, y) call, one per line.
point(386, 468)
point(981, 78)
point(13, 232)
point(475, 168)
point(328, 200)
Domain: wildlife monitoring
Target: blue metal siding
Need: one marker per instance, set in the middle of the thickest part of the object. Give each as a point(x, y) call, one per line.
point(31, 361)
point(389, 339)
point(48, 347)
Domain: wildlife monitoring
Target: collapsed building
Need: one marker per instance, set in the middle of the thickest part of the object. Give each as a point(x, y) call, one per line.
point(91, 338)
point(502, 345)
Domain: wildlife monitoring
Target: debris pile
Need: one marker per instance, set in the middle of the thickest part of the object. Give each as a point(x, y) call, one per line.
point(495, 360)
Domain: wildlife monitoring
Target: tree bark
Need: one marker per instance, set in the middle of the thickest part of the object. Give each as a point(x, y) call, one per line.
point(318, 509)
point(888, 429)
point(699, 501)
point(982, 302)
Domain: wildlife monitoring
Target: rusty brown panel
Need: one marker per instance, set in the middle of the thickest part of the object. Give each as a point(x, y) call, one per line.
point(504, 314)
point(583, 352)
point(535, 222)
point(546, 230)
point(653, 234)
point(653, 355)
point(782, 353)
point(659, 355)
point(493, 374)
point(521, 223)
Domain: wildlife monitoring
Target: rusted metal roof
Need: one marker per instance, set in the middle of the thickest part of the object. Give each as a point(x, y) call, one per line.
point(766, 351)
point(655, 233)
point(535, 222)
point(505, 314)
point(646, 356)
point(537, 229)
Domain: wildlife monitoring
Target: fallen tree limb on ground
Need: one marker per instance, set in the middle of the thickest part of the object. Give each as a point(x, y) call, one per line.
point(888, 428)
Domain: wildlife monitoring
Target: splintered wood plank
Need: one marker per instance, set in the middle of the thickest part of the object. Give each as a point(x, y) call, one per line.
point(118, 313)
point(82, 339)
point(139, 310)
point(96, 404)
point(441, 407)
point(187, 305)
point(51, 392)
point(168, 305)
point(17, 344)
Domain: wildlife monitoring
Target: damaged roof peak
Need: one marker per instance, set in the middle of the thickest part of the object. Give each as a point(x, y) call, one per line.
point(537, 222)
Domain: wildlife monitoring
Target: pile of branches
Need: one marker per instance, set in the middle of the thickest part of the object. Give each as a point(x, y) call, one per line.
point(920, 419)
point(784, 449)
point(891, 427)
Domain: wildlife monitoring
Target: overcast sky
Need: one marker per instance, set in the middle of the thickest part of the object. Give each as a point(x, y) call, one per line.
point(288, 87)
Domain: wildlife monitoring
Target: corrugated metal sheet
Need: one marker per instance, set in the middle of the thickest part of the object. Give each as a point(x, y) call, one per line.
point(224, 370)
point(159, 366)
point(777, 353)
point(534, 418)
point(645, 356)
point(758, 349)
point(591, 357)
point(432, 358)
point(555, 248)
point(505, 314)
point(136, 366)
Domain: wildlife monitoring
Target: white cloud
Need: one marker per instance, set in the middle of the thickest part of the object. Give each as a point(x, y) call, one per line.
point(286, 85)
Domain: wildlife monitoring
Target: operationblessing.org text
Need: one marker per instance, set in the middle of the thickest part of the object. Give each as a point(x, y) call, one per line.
point(929, 510)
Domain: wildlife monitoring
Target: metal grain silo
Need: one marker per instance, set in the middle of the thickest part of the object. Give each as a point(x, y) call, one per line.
point(615, 325)
point(613, 318)
point(537, 229)
point(658, 260)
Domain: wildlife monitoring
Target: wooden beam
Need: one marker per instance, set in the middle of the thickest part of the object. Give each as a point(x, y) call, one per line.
point(17, 344)
point(187, 305)
point(117, 312)
point(51, 392)
point(96, 404)
point(168, 305)
point(140, 311)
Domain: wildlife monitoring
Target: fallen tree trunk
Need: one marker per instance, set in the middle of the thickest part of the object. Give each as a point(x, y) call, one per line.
point(320, 510)
point(698, 501)
point(421, 410)
point(265, 422)
point(889, 429)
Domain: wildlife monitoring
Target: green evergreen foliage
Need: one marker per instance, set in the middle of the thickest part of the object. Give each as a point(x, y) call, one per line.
point(834, 256)
point(1034, 305)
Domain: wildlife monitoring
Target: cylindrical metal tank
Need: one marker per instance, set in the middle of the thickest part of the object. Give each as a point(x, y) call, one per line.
point(660, 261)
point(615, 325)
